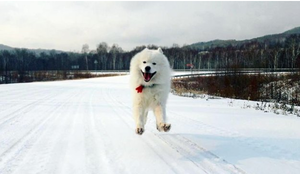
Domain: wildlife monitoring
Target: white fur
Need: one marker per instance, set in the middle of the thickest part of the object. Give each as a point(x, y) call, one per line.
point(155, 93)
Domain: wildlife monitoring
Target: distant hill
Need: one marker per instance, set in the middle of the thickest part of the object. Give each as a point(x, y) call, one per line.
point(4, 47)
point(37, 51)
point(213, 44)
point(225, 43)
point(293, 31)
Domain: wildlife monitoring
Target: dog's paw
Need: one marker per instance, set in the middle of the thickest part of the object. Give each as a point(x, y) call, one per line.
point(164, 127)
point(139, 131)
point(167, 127)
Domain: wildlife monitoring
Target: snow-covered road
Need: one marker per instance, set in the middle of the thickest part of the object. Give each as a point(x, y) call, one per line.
point(86, 126)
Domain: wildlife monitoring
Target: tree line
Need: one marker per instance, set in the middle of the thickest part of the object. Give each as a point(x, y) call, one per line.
point(281, 53)
point(270, 54)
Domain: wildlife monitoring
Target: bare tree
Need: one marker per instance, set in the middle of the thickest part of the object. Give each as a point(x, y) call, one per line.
point(115, 51)
point(102, 50)
point(85, 50)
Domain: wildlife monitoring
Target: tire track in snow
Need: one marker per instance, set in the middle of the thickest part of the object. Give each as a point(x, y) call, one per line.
point(116, 107)
point(54, 142)
point(17, 127)
point(72, 144)
point(43, 157)
point(256, 145)
point(15, 154)
point(159, 152)
point(113, 156)
point(17, 96)
point(8, 96)
point(21, 111)
point(54, 151)
point(97, 161)
point(201, 157)
point(205, 160)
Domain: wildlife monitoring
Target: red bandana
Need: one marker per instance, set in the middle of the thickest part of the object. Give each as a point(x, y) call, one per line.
point(139, 89)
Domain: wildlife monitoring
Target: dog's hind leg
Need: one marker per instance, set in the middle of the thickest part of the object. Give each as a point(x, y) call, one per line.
point(160, 114)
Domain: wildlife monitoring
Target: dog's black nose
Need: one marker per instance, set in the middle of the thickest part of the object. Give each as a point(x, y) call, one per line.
point(147, 68)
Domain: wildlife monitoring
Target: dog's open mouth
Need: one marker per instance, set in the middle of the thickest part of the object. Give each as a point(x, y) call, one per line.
point(148, 76)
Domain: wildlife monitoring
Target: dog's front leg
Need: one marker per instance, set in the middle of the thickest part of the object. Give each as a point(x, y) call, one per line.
point(160, 114)
point(139, 120)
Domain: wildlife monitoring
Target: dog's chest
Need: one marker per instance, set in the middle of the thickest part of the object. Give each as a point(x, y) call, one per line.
point(150, 96)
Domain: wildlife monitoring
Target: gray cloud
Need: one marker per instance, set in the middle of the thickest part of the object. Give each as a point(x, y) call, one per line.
point(69, 25)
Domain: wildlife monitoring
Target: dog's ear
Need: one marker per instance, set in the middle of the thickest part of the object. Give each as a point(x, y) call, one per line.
point(160, 50)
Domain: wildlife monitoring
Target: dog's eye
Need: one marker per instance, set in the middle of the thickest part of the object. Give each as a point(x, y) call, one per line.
point(154, 63)
point(144, 62)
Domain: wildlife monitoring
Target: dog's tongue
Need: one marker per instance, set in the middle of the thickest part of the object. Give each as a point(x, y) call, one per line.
point(147, 76)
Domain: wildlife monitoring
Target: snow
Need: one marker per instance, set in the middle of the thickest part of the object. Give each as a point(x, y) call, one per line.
point(86, 126)
point(188, 72)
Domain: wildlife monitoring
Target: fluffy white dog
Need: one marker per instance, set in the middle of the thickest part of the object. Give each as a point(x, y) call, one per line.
point(150, 83)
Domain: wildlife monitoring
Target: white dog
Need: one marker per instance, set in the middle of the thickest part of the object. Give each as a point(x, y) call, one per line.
point(150, 83)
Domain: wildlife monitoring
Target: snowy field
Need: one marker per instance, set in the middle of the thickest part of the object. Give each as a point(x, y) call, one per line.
point(86, 127)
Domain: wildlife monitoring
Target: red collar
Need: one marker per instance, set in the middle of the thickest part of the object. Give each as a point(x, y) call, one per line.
point(139, 89)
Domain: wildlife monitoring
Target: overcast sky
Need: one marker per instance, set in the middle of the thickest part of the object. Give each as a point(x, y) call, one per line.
point(68, 25)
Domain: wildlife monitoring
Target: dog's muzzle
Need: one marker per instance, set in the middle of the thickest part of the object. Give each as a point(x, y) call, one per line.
point(148, 76)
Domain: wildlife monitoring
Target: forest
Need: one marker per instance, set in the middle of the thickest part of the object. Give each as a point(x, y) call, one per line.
point(274, 54)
